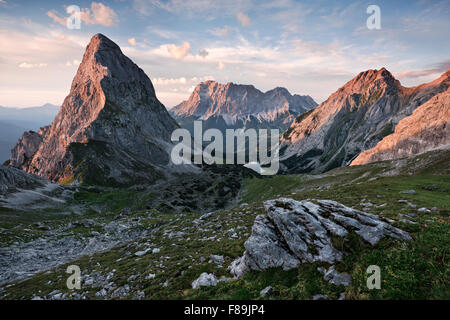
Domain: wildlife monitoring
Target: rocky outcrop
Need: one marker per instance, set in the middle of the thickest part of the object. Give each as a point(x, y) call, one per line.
point(26, 192)
point(111, 128)
point(26, 147)
point(353, 119)
point(12, 178)
point(56, 247)
point(232, 105)
point(333, 276)
point(294, 232)
point(428, 128)
point(205, 280)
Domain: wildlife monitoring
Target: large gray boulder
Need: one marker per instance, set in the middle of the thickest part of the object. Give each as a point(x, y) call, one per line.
point(205, 280)
point(294, 232)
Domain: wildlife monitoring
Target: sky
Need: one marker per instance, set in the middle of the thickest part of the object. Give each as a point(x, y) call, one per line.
point(308, 47)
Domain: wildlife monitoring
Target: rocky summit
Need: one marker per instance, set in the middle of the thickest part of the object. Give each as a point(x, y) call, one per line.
point(294, 232)
point(353, 119)
point(240, 106)
point(111, 128)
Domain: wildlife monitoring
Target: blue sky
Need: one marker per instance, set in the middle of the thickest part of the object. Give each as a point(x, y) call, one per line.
point(309, 47)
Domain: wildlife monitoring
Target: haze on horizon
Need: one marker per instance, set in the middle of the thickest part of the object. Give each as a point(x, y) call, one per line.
point(308, 47)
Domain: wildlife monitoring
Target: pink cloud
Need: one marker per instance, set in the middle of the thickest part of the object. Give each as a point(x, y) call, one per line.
point(179, 52)
point(97, 14)
point(437, 68)
point(222, 31)
point(243, 19)
point(53, 15)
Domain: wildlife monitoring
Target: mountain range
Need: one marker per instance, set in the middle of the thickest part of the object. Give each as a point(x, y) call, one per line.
point(141, 227)
point(428, 128)
point(230, 105)
point(353, 119)
point(112, 129)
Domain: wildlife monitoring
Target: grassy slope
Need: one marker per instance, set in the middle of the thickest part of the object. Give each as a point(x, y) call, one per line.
point(410, 270)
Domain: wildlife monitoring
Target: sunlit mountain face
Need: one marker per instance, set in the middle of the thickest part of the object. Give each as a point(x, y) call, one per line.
point(224, 150)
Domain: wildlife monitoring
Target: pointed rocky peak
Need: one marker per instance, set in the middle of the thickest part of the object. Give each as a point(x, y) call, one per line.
point(367, 80)
point(101, 42)
point(207, 83)
point(104, 59)
point(111, 126)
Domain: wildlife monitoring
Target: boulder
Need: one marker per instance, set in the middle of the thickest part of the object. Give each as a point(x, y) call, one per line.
point(333, 276)
point(205, 279)
point(216, 259)
point(294, 232)
point(266, 291)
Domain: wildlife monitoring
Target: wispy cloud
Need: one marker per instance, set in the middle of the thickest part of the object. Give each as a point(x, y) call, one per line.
point(437, 68)
point(53, 14)
point(222, 31)
point(26, 65)
point(73, 63)
point(163, 33)
point(181, 80)
point(193, 8)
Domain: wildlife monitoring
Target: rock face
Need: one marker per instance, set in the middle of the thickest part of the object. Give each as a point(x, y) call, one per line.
point(12, 178)
point(294, 232)
point(110, 130)
point(232, 105)
point(428, 128)
point(26, 147)
point(353, 119)
point(333, 276)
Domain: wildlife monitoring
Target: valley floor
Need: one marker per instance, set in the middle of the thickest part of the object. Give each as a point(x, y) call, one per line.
point(167, 251)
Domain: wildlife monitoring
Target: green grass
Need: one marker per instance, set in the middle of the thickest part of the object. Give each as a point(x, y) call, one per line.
point(417, 269)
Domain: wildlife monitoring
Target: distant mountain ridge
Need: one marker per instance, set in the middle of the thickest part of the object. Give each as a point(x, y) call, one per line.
point(353, 119)
point(44, 112)
point(240, 106)
point(14, 121)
